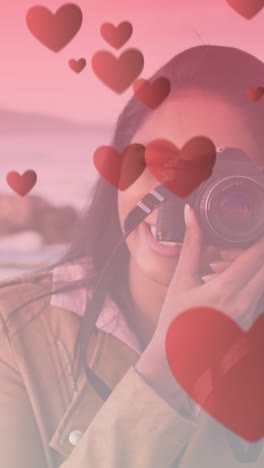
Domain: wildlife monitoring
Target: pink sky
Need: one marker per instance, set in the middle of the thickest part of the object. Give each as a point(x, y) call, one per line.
point(35, 79)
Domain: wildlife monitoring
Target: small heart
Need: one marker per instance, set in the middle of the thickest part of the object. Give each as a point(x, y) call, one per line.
point(152, 94)
point(116, 36)
point(54, 31)
point(118, 73)
point(77, 65)
point(181, 171)
point(120, 169)
point(246, 8)
point(255, 93)
point(221, 367)
point(21, 184)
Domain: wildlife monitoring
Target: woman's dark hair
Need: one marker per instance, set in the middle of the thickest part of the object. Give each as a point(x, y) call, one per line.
point(226, 70)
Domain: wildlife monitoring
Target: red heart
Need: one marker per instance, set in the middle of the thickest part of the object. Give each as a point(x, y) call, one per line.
point(181, 171)
point(77, 65)
point(118, 73)
point(55, 31)
point(21, 184)
point(255, 93)
point(221, 367)
point(116, 36)
point(152, 94)
point(120, 169)
point(246, 8)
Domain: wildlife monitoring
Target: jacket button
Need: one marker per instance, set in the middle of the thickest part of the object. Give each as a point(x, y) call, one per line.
point(74, 437)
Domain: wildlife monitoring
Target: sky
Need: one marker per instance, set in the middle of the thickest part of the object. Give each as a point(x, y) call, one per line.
point(35, 79)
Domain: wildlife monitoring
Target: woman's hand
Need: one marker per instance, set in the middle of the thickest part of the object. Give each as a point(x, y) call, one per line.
point(227, 256)
point(236, 288)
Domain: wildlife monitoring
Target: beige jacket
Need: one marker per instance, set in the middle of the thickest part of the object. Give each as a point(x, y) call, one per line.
point(51, 417)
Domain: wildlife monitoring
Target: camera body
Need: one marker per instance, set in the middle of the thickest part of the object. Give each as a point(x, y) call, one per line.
point(229, 205)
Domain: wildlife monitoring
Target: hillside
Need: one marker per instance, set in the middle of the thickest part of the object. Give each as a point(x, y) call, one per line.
point(12, 122)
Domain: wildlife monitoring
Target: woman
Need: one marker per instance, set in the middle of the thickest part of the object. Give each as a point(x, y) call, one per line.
point(130, 412)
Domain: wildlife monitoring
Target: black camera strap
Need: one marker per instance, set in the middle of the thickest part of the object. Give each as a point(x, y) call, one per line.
point(94, 307)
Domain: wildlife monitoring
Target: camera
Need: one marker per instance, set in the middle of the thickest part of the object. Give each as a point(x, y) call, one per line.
point(229, 205)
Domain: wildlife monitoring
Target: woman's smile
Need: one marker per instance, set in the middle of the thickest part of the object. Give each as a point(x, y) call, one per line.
point(168, 249)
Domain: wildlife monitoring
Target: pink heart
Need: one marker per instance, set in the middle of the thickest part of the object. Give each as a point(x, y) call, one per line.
point(221, 367)
point(152, 94)
point(116, 36)
point(181, 171)
point(246, 8)
point(255, 93)
point(120, 169)
point(77, 65)
point(54, 31)
point(118, 73)
point(21, 184)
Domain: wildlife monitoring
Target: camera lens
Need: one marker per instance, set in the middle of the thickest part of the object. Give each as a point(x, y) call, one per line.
point(237, 210)
point(233, 209)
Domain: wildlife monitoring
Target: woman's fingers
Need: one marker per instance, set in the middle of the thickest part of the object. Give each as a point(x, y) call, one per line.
point(208, 278)
point(186, 274)
point(253, 291)
point(237, 275)
point(219, 266)
point(248, 302)
point(231, 254)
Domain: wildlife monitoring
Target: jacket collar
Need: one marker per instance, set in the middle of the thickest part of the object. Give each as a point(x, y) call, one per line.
point(111, 320)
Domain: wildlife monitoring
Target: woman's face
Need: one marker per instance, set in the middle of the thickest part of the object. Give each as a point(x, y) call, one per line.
point(191, 113)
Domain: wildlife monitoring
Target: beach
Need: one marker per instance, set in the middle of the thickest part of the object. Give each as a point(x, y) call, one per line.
point(63, 161)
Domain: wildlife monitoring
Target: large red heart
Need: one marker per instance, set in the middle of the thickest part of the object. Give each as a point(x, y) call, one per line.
point(21, 184)
point(118, 73)
point(120, 169)
point(55, 31)
point(116, 36)
point(246, 8)
point(181, 171)
point(77, 65)
point(221, 367)
point(152, 94)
